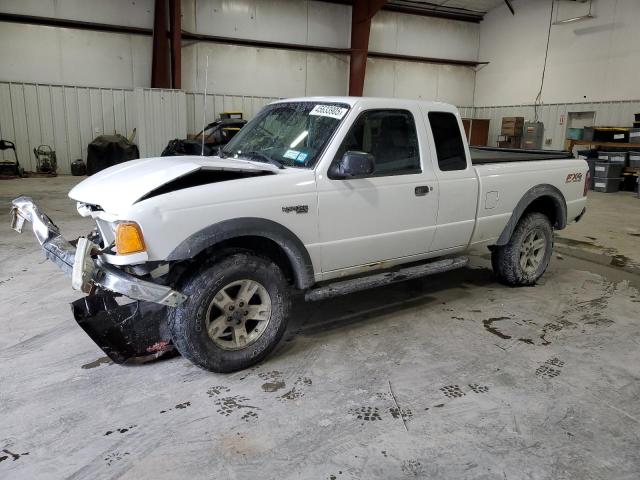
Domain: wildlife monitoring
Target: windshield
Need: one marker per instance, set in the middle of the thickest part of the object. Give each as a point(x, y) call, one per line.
point(289, 134)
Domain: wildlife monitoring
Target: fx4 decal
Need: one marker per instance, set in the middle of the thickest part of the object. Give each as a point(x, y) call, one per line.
point(296, 208)
point(573, 177)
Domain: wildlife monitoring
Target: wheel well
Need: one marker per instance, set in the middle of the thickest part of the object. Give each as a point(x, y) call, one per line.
point(259, 235)
point(261, 246)
point(545, 205)
point(545, 199)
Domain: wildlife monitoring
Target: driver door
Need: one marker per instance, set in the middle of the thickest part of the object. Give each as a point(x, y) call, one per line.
point(389, 215)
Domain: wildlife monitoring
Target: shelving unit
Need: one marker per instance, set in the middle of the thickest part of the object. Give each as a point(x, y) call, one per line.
point(628, 171)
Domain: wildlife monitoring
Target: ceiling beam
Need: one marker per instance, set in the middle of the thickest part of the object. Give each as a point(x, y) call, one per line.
point(314, 48)
point(510, 7)
point(75, 24)
point(413, 58)
point(190, 36)
point(246, 42)
point(160, 77)
point(425, 11)
point(361, 15)
point(175, 32)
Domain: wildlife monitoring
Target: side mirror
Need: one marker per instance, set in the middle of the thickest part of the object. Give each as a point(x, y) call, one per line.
point(352, 165)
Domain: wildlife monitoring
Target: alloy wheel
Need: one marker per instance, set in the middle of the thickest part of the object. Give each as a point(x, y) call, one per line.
point(238, 314)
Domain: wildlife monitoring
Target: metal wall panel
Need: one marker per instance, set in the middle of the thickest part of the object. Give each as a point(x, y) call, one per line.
point(466, 112)
point(393, 32)
point(67, 118)
point(256, 71)
point(161, 116)
point(288, 21)
point(218, 103)
point(135, 13)
point(591, 61)
point(615, 113)
point(70, 56)
point(426, 81)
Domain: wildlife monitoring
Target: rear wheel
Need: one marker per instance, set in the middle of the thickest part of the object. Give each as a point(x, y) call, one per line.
point(525, 258)
point(235, 315)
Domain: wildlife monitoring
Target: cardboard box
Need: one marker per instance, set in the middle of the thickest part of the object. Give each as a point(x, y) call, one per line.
point(515, 120)
point(512, 126)
point(512, 130)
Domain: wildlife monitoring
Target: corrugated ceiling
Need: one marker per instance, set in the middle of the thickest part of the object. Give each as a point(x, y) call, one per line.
point(474, 5)
point(471, 8)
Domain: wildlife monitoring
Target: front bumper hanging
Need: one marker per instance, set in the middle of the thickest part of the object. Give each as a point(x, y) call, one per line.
point(122, 331)
point(137, 329)
point(84, 270)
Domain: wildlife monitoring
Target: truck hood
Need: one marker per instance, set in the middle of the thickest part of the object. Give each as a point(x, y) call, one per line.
point(120, 186)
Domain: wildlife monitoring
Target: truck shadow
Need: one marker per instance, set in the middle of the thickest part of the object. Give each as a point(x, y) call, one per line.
point(372, 306)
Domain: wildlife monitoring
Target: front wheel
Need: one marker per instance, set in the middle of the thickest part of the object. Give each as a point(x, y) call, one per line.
point(236, 313)
point(525, 258)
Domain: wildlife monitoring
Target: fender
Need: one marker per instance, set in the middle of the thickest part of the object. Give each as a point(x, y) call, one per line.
point(256, 227)
point(543, 190)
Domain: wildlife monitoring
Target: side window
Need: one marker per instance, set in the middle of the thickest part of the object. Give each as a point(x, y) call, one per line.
point(390, 136)
point(449, 146)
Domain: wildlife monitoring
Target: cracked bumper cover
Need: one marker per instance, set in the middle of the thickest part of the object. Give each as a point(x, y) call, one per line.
point(137, 329)
point(78, 263)
point(122, 331)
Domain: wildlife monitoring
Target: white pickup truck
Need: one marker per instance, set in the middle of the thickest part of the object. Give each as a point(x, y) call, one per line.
point(325, 196)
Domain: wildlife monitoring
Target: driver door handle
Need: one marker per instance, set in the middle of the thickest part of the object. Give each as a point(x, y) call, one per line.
point(422, 190)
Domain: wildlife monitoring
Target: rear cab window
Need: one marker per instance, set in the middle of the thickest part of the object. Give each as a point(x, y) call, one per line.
point(448, 141)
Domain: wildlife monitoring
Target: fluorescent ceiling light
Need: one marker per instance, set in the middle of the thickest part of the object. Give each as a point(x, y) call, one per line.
point(574, 19)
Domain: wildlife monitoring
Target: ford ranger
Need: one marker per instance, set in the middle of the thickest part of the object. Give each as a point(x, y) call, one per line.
point(323, 196)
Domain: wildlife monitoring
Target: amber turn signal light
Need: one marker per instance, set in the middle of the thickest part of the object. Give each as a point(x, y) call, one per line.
point(129, 238)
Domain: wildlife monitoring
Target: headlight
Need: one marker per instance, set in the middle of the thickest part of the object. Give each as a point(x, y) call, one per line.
point(83, 209)
point(129, 238)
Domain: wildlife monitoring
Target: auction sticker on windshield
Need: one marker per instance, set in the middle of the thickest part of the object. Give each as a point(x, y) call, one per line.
point(329, 111)
point(292, 154)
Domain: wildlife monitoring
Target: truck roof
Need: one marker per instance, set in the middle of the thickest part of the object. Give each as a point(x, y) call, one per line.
point(383, 101)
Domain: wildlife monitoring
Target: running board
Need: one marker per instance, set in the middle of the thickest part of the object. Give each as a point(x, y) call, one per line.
point(379, 279)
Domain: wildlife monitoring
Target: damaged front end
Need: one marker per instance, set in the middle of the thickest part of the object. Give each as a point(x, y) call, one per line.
point(134, 330)
point(122, 330)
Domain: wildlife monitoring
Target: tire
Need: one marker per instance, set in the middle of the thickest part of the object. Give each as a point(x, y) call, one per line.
point(207, 329)
point(519, 262)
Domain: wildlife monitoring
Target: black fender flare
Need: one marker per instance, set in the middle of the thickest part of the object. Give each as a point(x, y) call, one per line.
point(292, 246)
point(542, 190)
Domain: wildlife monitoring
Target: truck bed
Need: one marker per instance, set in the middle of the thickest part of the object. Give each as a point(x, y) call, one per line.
point(483, 155)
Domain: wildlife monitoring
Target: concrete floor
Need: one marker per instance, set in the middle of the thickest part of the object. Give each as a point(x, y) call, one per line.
point(609, 233)
point(491, 382)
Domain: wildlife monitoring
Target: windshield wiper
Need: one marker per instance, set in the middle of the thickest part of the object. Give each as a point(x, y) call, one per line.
point(263, 157)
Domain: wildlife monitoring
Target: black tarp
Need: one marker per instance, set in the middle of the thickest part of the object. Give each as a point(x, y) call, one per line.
point(108, 150)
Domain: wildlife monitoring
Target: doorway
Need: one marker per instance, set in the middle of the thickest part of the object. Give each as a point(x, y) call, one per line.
point(580, 119)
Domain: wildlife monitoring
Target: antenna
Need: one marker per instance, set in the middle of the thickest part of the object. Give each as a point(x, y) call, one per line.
point(204, 108)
